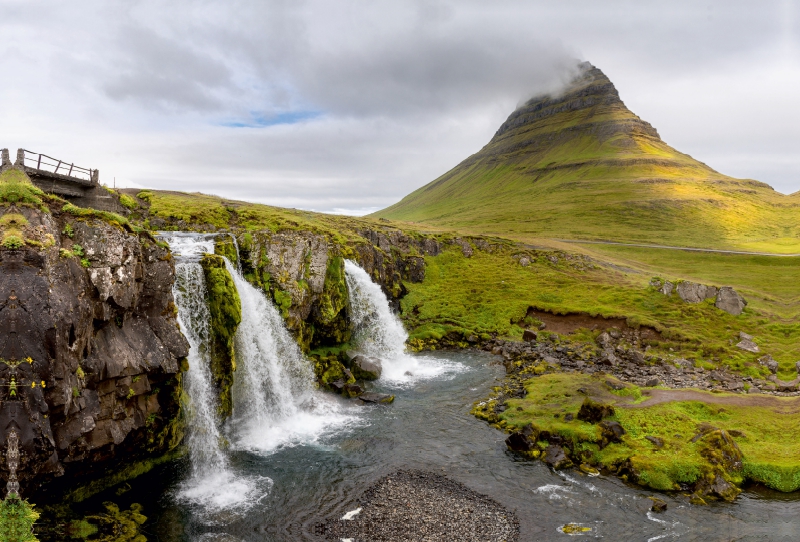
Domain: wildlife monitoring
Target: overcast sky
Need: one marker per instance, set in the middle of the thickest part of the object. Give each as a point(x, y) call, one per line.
point(347, 106)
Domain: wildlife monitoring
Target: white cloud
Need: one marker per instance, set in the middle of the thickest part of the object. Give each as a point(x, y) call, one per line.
point(386, 96)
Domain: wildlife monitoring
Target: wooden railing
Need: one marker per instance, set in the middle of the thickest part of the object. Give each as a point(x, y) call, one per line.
point(43, 162)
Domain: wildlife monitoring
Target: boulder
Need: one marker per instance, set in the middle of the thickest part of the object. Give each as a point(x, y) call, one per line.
point(611, 431)
point(366, 368)
point(730, 301)
point(656, 441)
point(692, 292)
point(524, 261)
point(523, 440)
point(748, 346)
point(769, 362)
point(529, 336)
point(667, 288)
point(658, 505)
point(652, 382)
point(555, 457)
point(375, 398)
point(352, 390)
point(593, 412)
point(604, 340)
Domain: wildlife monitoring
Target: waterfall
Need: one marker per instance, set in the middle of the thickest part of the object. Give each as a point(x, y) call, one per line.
point(378, 332)
point(211, 483)
point(275, 401)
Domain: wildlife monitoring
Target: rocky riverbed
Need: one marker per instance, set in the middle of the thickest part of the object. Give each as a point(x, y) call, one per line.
point(621, 353)
point(414, 505)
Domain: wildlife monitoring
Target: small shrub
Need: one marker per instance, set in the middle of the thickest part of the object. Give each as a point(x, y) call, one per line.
point(68, 231)
point(77, 250)
point(64, 253)
point(13, 242)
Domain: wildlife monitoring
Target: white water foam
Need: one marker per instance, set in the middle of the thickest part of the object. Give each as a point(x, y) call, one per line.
point(211, 484)
point(377, 332)
point(275, 400)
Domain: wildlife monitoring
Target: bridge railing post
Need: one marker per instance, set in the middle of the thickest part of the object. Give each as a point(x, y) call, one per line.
point(20, 158)
point(96, 176)
point(6, 158)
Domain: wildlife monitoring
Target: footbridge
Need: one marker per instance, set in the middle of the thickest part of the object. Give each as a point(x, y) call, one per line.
point(78, 184)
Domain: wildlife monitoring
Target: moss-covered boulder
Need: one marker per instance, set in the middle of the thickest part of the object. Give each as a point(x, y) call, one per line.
point(225, 307)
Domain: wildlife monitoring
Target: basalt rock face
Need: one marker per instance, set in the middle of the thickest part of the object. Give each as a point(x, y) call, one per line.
point(304, 274)
point(90, 351)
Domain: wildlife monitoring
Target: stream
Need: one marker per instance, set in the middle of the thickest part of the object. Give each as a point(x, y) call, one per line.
point(286, 461)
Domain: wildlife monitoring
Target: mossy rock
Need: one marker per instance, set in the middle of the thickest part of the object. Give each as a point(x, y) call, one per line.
point(225, 307)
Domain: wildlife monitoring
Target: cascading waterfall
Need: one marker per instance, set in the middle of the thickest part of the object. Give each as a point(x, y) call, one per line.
point(275, 402)
point(378, 332)
point(212, 483)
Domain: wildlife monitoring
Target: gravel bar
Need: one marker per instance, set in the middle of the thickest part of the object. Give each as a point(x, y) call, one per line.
point(420, 506)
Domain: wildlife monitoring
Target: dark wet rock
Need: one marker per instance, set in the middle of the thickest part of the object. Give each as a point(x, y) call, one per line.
point(593, 412)
point(716, 488)
point(569, 417)
point(352, 390)
point(529, 336)
point(652, 382)
point(730, 301)
point(366, 368)
point(372, 397)
point(658, 505)
point(555, 457)
point(657, 441)
point(523, 440)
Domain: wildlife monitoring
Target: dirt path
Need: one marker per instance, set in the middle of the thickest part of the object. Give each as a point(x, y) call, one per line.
point(783, 405)
point(712, 250)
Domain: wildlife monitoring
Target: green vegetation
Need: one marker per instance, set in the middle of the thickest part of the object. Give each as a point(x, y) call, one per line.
point(490, 294)
point(689, 431)
point(225, 307)
point(599, 172)
point(17, 517)
point(17, 189)
point(128, 202)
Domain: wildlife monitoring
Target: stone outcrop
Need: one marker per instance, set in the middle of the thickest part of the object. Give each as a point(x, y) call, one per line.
point(730, 301)
point(90, 353)
point(725, 298)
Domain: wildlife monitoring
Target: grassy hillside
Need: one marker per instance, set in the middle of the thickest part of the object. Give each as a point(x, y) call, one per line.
point(583, 166)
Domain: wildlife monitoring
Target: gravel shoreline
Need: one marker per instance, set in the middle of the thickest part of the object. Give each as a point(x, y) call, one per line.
point(420, 506)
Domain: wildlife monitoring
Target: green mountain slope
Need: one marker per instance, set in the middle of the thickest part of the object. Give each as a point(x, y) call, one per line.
point(581, 165)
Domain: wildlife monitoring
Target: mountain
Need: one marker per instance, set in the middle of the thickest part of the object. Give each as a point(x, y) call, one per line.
point(581, 165)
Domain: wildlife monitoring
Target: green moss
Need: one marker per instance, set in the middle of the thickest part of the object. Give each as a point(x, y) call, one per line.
point(17, 189)
point(283, 300)
point(128, 202)
point(763, 441)
point(17, 518)
point(226, 313)
point(224, 246)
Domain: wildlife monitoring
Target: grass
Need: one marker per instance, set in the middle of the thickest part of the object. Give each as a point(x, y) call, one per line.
point(490, 293)
point(764, 435)
point(581, 174)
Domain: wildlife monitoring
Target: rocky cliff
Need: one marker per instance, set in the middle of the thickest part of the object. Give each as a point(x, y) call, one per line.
point(90, 352)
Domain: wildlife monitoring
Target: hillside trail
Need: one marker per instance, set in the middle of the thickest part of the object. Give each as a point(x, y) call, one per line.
point(782, 405)
point(668, 247)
